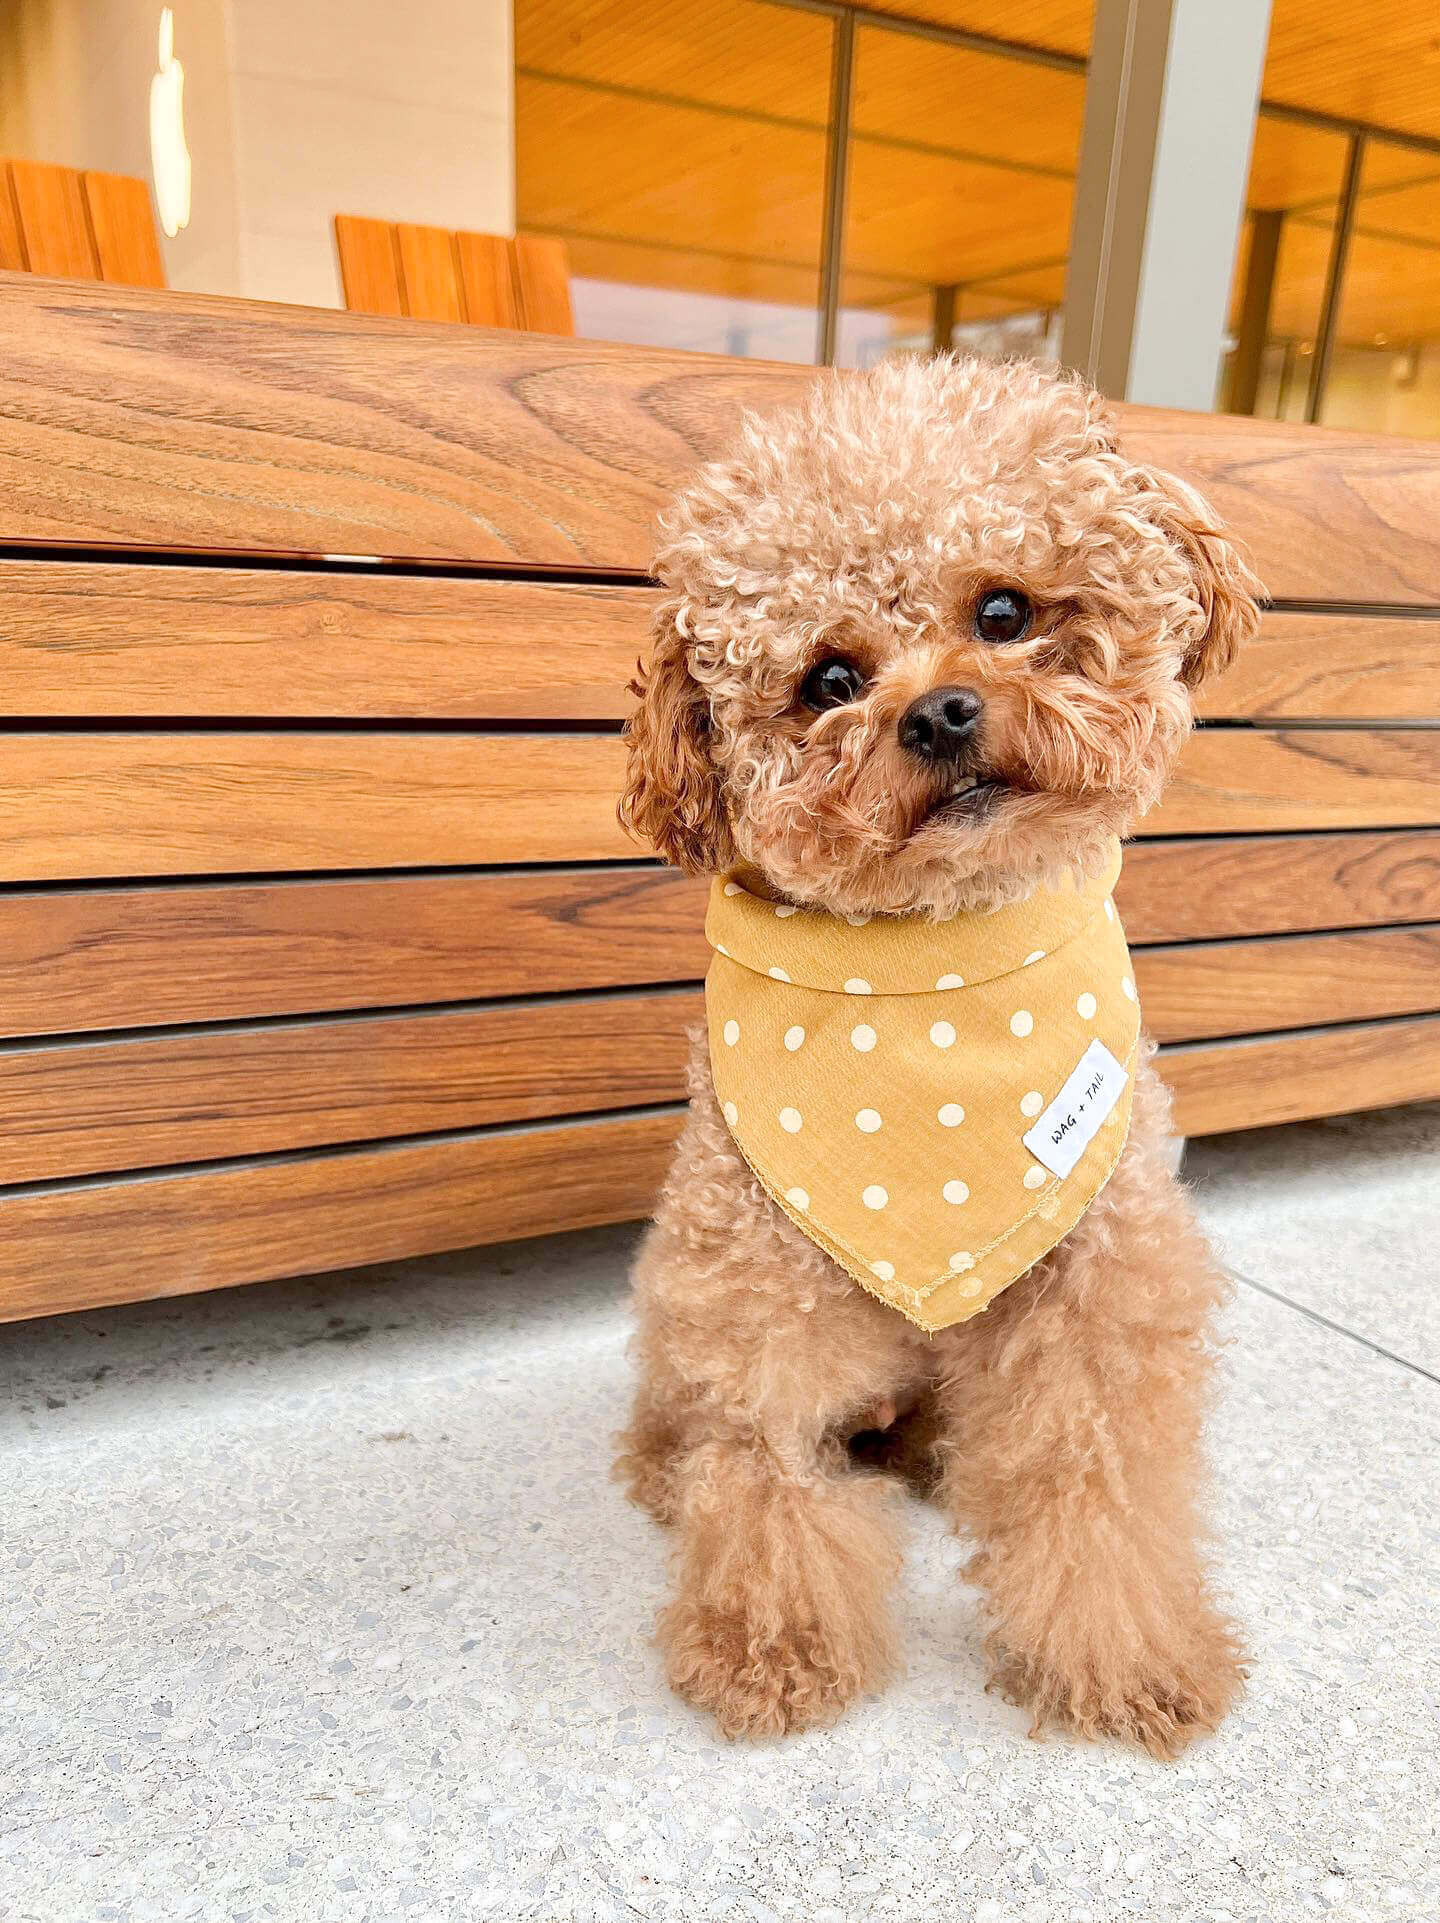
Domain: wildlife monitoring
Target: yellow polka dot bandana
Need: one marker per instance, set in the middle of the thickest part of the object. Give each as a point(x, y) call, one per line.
point(936, 1104)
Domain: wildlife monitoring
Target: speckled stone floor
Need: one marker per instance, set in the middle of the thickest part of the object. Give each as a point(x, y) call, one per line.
point(317, 1605)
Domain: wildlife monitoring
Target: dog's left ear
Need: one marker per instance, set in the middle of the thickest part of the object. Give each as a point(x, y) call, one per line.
point(1228, 589)
point(673, 795)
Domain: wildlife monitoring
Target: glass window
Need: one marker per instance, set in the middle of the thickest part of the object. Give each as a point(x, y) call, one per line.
point(962, 176)
point(1385, 363)
point(679, 151)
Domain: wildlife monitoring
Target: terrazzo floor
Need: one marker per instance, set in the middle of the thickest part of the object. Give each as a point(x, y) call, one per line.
point(317, 1605)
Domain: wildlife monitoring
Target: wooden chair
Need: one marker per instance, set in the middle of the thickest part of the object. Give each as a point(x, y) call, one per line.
point(77, 226)
point(319, 941)
point(429, 273)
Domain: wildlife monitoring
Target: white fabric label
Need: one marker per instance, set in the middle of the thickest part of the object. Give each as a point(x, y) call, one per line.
point(1068, 1126)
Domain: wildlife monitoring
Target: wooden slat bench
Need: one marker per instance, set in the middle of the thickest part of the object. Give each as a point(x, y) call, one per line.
point(319, 943)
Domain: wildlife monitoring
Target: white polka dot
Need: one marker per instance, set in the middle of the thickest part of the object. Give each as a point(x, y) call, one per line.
point(1021, 1022)
point(778, 975)
point(885, 1270)
point(1127, 988)
point(951, 1116)
point(874, 1197)
point(1035, 1177)
point(1036, 954)
point(794, 1038)
point(943, 1035)
point(791, 1120)
point(731, 1032)
point(784, 910)
point(857, 985)
point(867, 1121)
point(1032, 1103)
point(797, 1198)
point(955, 1192)
point(731, 1113)
point(964, 1260)
point(951, 981)
point(1086, 1005)
point(862, 1036)
point(1109, 909)
point(733, 888)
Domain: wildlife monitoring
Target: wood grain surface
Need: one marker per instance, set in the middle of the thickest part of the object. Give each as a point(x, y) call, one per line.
point(1272, 885)
point(1236, 780)
point(1203, 989)
point(73, 960)
point(174, 421)
point(90, 805)
point(118, 638)
point(91, 1243)
point(76, 1108)
point(131, 804)
point(1289, 1078)
point(1339, 667)
point(85, 639)
point(79, 1108)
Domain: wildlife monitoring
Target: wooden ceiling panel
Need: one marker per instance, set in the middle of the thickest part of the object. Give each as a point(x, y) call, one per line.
point(1065, 25)
point(950, 221)
point(729, 53)
point(587, 164)
point(1359, 60)
point(915, 92)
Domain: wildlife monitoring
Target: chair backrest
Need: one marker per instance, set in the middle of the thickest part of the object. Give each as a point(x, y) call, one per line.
point(77, 225)
point(430, 273)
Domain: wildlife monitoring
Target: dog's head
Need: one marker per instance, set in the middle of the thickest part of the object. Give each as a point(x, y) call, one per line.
point(927, 641)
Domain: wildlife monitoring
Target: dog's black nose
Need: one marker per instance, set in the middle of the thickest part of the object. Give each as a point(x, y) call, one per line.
point(937, 725)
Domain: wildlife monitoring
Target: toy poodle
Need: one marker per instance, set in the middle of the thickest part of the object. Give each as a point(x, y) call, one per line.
point(926, 650)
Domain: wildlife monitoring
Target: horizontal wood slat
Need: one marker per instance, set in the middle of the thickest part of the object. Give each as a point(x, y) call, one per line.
point(91, 805)
point(116, 638)
point(130, 804)
point(84, 1108)
point(1234, 780)
point(1289, 1078)
point(212, 1227)
point(1275, 885)
point(233, 425)
point(87, 1245)
point(95, 958)
point(1336, 667)
point(80, 1108)
point(81, 639)
point(1288, 981)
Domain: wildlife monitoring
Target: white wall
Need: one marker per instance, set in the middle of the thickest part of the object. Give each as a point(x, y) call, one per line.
point(295, 110)
point(401, 109)
point(75, 89)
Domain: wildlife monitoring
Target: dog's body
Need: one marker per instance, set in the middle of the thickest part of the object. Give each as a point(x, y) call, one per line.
point(929, 644)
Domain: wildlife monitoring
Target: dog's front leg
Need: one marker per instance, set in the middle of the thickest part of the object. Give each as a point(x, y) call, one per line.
point(1072, 1415)
point(781, 1615)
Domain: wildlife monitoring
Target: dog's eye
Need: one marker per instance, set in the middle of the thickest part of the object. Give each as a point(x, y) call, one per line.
point(1002, 615)
point(830, 684)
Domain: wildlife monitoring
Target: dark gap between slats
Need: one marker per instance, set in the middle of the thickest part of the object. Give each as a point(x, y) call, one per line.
point(413, 568)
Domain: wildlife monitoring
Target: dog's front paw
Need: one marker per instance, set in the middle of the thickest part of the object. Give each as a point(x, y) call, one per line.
point(757, 1683)
point(1156, 1700)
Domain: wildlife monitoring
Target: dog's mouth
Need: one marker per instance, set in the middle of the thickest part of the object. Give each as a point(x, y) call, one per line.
point(970, 797)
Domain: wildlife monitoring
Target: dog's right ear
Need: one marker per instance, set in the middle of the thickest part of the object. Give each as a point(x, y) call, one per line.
point(673, 795)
